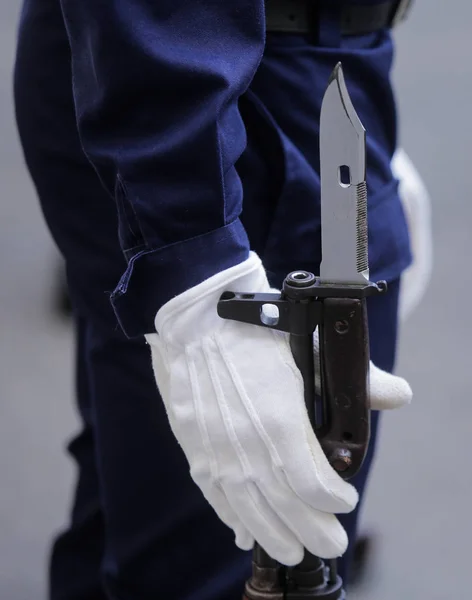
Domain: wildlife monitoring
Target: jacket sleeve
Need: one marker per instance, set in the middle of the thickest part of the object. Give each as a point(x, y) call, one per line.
point(156, 86)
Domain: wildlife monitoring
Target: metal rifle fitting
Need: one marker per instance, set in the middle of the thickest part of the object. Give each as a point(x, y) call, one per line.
point(339, 411)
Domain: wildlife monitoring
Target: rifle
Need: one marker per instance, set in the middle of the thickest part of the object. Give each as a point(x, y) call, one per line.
point(334, 303)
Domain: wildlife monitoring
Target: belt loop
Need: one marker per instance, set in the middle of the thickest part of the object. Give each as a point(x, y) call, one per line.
point(330, 31)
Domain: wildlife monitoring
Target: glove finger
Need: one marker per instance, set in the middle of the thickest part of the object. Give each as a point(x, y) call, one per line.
point(216, 498)
point(298, 453)
point(388, 391)
point(264, 524)
point(159, 364)
point(243, 539)
point(307, 472)
point(320, 533)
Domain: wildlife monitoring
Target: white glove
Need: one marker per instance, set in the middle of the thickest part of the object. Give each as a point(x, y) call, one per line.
point(234, 398)
point(417, 206)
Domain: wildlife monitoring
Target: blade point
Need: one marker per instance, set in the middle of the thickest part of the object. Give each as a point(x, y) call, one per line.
point(336, 73)
point(344, 235)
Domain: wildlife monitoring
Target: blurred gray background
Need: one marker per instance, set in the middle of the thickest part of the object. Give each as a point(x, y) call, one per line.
point(421, 491)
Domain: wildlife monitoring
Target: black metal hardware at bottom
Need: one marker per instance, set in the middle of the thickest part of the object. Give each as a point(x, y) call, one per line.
point(339, 410)
point(311, 579)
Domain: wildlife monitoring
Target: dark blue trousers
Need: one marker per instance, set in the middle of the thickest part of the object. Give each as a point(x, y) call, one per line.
point(140, 529)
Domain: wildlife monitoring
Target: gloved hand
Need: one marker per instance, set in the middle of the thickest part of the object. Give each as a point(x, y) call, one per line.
point(234, 398)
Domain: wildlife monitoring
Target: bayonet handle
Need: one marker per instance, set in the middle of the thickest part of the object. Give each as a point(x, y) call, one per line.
point(344, 369)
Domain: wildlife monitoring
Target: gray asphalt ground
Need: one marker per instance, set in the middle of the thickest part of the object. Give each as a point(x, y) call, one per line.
point(421, 492)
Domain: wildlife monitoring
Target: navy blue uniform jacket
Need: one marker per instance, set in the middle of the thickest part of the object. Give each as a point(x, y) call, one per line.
point(205, 133)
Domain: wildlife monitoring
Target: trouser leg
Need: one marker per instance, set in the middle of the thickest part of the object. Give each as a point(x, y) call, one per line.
point(140, 527)
point(75, 564)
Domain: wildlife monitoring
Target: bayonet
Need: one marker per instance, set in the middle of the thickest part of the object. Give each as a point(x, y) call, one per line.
point(335, 303)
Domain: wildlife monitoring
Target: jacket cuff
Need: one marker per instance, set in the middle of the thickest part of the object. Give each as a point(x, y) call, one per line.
point(153, 277)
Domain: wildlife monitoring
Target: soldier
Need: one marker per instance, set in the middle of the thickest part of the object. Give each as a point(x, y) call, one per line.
point(174, 149)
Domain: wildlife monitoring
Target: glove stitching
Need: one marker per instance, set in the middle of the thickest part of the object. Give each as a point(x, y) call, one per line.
point(246, 401)
point(225, 412)
point(199, 412)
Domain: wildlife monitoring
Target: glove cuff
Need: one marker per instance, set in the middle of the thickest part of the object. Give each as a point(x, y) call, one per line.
point(194, 311)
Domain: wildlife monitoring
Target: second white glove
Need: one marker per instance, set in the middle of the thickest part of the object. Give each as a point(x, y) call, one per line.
point(417, 206)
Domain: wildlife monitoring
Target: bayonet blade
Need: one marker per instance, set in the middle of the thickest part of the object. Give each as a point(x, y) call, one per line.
point(343, 187)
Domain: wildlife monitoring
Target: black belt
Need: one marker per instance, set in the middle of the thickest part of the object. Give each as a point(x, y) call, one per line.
point(301, 16)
